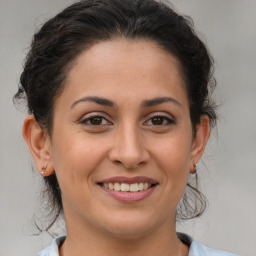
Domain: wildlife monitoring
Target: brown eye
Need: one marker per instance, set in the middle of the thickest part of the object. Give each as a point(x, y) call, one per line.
point(158, 120)
point(95, 120)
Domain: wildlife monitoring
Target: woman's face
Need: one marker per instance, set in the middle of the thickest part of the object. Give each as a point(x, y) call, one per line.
point(122, 123)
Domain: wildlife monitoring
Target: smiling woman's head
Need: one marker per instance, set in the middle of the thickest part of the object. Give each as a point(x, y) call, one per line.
point(62, 43)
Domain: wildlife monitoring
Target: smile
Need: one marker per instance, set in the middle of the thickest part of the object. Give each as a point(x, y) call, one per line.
point(125, 187)
point(129, 190)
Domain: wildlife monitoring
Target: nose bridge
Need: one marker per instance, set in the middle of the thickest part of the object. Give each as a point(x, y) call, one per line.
point(130, 140)
point(128, 147)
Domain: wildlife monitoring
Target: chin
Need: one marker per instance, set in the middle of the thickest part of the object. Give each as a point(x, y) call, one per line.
point(130, 226)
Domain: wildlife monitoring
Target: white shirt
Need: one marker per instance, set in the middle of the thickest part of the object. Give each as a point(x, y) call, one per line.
point(196, 248)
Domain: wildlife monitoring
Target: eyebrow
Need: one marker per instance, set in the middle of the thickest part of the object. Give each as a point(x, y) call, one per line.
point(159, 100)
point(98, 100)
point(109, 103)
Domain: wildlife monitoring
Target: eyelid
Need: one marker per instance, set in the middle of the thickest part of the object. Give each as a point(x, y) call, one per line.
point(103, 115)
point(167, 116)
point(88, 116)
point(162, 114)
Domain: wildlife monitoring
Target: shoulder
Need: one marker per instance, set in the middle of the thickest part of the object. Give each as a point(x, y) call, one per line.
point(53, 248)
point(198, 249)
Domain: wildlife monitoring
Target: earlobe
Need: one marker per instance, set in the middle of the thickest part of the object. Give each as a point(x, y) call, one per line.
point(39, 145)
point(201, 137)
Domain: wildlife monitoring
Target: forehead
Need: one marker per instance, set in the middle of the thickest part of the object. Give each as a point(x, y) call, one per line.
point(120, 67)
point(145, 54)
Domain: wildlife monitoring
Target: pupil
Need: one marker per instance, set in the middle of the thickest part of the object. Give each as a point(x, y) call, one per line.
point(96, 121)
point(157, 120)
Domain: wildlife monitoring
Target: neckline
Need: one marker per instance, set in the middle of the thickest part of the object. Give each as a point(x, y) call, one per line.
point(184, 238)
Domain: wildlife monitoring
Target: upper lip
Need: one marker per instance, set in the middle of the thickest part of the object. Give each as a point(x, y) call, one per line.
point(129, 180)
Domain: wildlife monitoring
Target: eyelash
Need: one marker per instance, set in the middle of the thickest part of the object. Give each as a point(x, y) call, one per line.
point(164, 121)
point(101, 118)
point(167, 121)
point(98, 116)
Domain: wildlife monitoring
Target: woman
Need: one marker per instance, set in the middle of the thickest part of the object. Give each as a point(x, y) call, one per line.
point(118, 95)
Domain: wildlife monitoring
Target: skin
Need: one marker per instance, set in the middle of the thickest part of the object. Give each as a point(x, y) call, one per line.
point(126, 141)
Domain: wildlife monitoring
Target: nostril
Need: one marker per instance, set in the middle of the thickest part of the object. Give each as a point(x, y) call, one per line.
point(129, 157)
point(129, 165)
point(117, 162)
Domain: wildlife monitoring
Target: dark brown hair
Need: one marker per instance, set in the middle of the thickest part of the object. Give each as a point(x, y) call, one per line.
point(61, 39)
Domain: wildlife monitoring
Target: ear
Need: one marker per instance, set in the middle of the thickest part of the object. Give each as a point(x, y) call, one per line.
point(39, 145)
point(201, 137)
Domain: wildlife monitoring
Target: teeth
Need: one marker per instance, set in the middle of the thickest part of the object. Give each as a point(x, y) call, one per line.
point(117, 186)
point(110, 185)
point(141, 186)
point(145, 186)
point(124, 187)
point(134, 187)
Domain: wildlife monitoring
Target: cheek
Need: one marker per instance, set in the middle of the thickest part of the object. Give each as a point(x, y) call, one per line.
point(172, 156)
point(76, 157)
point(174, 151)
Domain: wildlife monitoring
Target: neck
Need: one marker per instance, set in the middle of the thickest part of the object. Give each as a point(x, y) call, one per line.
point(86, 240)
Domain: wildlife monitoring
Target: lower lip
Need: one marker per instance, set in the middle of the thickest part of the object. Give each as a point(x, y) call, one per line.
point(129, 197)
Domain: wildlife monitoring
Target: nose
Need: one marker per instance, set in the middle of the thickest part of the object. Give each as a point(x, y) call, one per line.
point(128, 148)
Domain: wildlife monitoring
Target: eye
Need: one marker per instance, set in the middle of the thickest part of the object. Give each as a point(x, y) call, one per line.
point(159, 120)
point(96, 120)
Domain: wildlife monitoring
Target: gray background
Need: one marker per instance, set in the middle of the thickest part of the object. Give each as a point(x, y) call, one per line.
point(228, 180)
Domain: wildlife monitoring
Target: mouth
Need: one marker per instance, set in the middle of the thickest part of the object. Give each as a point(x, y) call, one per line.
point(125, 187)
point(128, 189)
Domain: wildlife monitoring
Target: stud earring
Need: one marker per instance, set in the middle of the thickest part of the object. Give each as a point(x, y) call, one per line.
point(43, 170)
point(195, 165)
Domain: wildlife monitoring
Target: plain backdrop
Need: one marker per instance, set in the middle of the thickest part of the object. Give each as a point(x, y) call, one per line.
point(228, 172)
